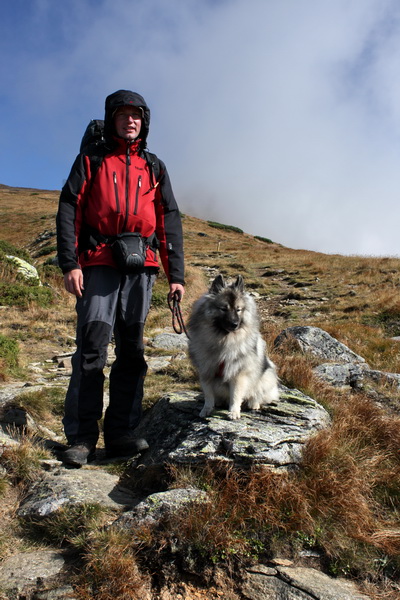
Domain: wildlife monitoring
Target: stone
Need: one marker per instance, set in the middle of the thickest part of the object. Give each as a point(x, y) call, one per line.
point(158, 505)
point(319, 343)
point(354, 374)
point(383, 377)
point(65, 592)
point(9, 391)
point(14, 418)
point(273, 436)
point(158, 363)
point(170, 341)
point(6, 439)
point(65, 363)
point(26, 270)
point(296, 583)
point(339, 375)
point(17, 416)
point(319, 585)
point(67, 487)
point(26, 568)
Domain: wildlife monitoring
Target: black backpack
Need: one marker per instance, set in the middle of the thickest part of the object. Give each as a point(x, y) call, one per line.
point(94, 145)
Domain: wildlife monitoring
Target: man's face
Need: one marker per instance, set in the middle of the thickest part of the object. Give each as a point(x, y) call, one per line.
point(128, 121)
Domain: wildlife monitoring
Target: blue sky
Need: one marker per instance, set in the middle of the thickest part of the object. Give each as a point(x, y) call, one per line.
point(279, 117)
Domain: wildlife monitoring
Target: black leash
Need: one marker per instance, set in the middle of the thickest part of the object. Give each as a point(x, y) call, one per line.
point(177, 320)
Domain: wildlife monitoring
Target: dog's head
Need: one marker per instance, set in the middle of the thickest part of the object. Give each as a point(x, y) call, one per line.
point(228, 303)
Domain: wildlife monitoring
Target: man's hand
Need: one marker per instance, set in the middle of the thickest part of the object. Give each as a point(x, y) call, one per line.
point(176, 288)
point(73, 282)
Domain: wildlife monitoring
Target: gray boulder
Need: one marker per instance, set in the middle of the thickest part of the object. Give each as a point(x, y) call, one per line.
point(170, 341)
point(354, 375)
point(383, 377)
point(26, 270)
point(273, 436)
point(159, 505)
point(67, 487)
point(339, 375)
point(319, 343)
point(158, 363)
point(296, 583)
point(21, 572)
point(9, 391)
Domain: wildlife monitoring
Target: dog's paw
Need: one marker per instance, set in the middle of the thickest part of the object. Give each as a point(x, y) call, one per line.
point(255, 406)
point(233, 415)
point(205, 412)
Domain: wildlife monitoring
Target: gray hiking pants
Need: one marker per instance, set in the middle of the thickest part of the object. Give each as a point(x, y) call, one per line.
point(112, 303)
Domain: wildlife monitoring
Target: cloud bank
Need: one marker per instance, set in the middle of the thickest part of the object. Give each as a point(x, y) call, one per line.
point(282, 118)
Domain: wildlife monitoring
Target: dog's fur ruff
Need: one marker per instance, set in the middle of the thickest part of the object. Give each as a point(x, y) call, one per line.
point(227, 350)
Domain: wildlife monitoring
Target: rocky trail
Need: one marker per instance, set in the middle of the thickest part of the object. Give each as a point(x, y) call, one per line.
point(177, 436)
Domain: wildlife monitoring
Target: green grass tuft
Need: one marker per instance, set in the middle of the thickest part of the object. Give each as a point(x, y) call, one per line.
point(227, 227)
point(23, 294)
point(9, 356)
point(9, 249)
point(263, 239)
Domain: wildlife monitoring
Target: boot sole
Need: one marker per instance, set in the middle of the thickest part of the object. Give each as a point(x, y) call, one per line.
point(79, 463)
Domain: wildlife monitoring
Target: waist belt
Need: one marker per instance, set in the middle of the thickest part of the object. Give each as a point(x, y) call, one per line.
point(91, 238)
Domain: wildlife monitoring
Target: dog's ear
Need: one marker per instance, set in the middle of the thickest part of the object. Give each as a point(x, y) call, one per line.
point(239, 284)
point(217, 285)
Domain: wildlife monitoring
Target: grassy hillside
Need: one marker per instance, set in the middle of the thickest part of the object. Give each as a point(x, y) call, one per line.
point(354, 298)
point(345, 501)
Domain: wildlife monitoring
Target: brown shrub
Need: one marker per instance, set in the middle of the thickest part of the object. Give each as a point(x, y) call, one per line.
point(110, 570)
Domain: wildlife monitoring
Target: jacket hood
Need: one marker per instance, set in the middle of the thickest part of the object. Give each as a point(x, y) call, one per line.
point(126, 98)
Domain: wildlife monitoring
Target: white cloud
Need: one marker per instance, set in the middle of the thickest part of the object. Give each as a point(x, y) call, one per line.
point(279, 117)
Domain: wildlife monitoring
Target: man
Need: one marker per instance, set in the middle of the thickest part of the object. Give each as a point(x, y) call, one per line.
point(123, 193)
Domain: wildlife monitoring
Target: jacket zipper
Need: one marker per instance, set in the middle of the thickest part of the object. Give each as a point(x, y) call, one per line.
point(128, 164)
point(116, 192)
point(139, 185)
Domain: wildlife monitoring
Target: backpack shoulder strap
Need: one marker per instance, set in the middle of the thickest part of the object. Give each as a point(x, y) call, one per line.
point(153, 162)
point(95, 162)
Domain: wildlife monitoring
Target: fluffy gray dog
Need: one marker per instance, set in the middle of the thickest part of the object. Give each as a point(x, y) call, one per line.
point(227, 350)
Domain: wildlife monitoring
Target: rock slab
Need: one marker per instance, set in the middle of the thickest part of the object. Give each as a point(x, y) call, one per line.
point(297, 583)
point(318, 342)
point(73, 487)
point(273, 436)
point(25, 569)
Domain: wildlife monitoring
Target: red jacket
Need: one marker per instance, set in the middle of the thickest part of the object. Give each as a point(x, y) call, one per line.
point(122, 197)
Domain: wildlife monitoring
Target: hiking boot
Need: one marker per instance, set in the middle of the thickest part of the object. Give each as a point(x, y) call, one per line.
point(79, 454)
point(125, 446)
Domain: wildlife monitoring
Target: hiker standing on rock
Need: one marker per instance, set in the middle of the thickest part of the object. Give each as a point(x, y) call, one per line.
point(116, 210)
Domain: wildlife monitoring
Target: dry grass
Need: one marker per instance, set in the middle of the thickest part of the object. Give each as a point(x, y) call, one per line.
point(345, 499)
point(22, 461)
point(244, 509)
point(110, 569)
point(25, 210)
point(10, 540)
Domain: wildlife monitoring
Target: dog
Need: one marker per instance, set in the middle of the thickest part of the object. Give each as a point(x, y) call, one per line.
point(228, 352)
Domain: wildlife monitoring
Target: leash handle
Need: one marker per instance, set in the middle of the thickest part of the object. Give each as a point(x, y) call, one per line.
point(178, 323)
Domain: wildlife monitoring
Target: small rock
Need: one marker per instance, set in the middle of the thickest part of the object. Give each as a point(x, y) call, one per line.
point(156, 506)
point(170, 341)
point(320, 343)
point(73, 487)
point(158, 363)
point(60, 593)
point(24, 569)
